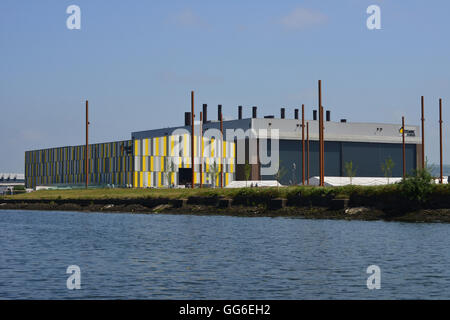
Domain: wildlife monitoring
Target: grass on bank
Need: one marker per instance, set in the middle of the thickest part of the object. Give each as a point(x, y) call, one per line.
point(415, 190)
point(118, 193)
point(272, 192)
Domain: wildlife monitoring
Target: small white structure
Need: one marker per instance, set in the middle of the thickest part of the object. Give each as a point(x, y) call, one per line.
point(253, 183)
point(12, 179)
point(357, 181)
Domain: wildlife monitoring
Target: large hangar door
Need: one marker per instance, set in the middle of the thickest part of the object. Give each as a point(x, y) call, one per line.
point(184, 176)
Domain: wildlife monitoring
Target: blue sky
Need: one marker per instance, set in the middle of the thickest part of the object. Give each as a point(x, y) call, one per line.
point(137, 61)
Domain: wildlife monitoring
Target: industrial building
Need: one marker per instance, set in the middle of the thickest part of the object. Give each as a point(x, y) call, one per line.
point(8, 181)
point(162, 157)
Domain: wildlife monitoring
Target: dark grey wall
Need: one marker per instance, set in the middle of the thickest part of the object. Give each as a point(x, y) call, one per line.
point(366, 158)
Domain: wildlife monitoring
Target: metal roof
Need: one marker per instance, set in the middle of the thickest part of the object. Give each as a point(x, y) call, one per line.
point(290, 129)
point(12, 176)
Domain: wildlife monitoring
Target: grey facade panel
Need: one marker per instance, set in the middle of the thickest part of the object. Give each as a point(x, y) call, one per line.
point(367, 159)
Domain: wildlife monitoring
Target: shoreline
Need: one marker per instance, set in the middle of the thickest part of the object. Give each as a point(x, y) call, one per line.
point(163, 207)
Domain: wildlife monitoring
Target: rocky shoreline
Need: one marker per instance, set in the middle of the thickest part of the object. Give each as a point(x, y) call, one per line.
point(167, 207)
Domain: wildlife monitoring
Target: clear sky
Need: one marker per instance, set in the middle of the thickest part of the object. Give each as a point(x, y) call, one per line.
point(137, 61)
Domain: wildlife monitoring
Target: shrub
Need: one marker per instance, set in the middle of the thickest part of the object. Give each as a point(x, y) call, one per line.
point(417, 187)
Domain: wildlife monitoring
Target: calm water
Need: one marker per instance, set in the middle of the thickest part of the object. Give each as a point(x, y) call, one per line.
point(199, 257)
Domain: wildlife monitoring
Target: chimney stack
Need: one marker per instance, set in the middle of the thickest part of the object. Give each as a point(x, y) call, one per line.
point(283, 110)
point(219, 111)
point(240, 112)
point(187, 118)
point(314, 114)
point(254, 112)
point(205, 113)
point(328, 115)
point(296, 114)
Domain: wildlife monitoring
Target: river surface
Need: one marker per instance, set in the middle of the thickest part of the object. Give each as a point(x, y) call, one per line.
point(123, 256)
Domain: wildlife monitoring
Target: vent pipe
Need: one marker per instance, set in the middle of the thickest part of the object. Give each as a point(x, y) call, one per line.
point(314, 115)
point(296, 114)
point(219, 112)
point(240, 112)
point(254, 112)
point(187, 118)
point(283, 111)
point(205, 113)
point(328, 115)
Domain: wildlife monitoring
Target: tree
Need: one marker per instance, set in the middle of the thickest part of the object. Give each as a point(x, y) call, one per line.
point(247, 171)
point(294, 174)
point(169, 167)
point(417, 187)
point(280, 173)
point(214, 173)
point(387, 167)
point(349, 170)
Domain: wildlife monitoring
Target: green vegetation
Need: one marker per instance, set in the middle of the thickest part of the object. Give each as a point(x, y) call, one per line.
point(416, 191)
point(247, 171)
point(170, 169)
point(349, 170)
point(387, 167)
point(417, 187)
point(214, 172)
point(280, 173)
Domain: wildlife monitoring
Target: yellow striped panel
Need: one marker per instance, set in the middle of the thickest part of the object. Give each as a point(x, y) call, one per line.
point(195, 147)
point(224, 154)
point(159, 179)
point(136, 147)
point(165, 146)
point(151, 163)
point(156, 146)
point(212, 147)
point(141, 180)
point(185, 140)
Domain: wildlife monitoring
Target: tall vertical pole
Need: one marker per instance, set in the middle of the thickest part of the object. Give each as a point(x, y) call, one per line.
point(320, 131)
point(423, 133)
point(86, 160)
point(221, 152)
point(192, 139)
point(303, 144)
point(440, 140)
point(323, 148)
point(307, 152)
point(201, 149)
point(403, 141)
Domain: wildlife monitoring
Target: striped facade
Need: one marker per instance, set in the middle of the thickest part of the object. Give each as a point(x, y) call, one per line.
point(109, 163)
point(158, 159)
point(152, 162)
